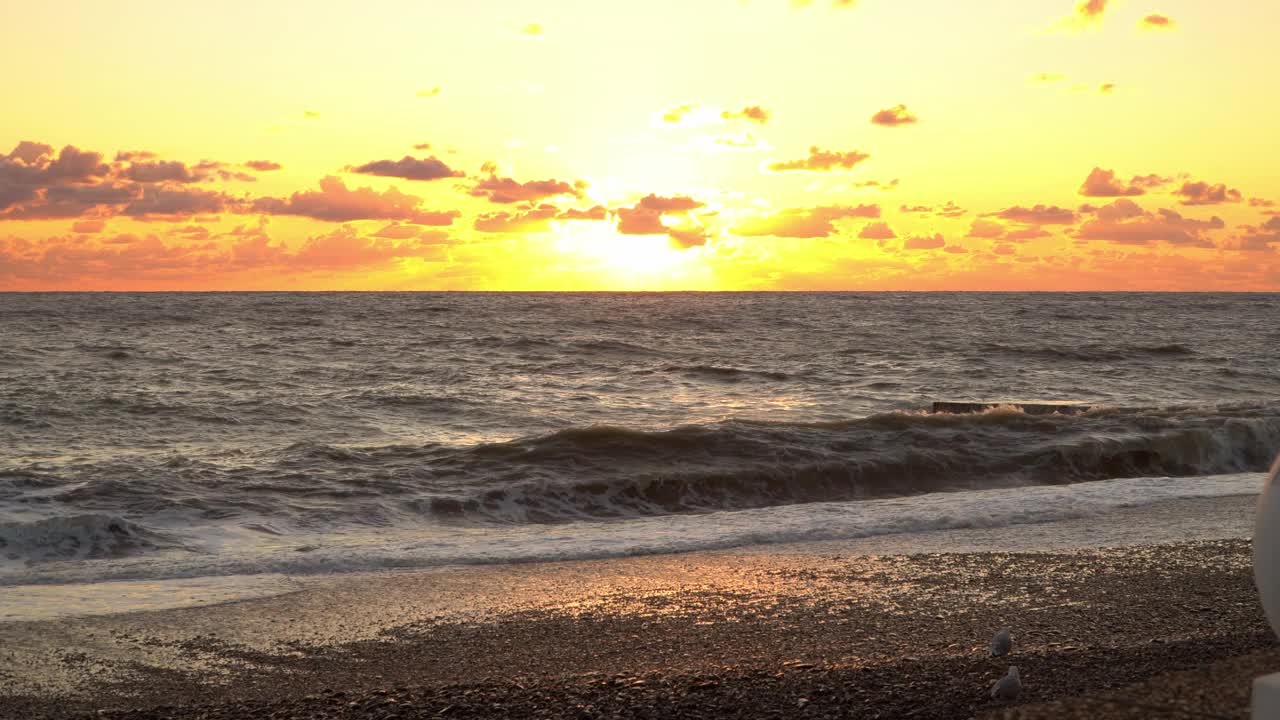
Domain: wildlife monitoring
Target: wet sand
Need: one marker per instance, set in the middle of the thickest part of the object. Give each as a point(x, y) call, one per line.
point(813, 631)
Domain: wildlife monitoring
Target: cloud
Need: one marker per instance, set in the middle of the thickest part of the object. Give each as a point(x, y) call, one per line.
point(877, 231)
point(263, 165)
point(677, 204)
point(1027, 233)
point(398, 231)
point(993, 230)
point(645, 217)
point(189, 256)
point(1203, 193)
point(135, 155)
point(677, 114)
point(1261, 238)
point(805, 222)
point(345, 249)
point(750, 113)
point(987, 229)
point(820, 160)
point(890, 185)
point(163, 202)
point(1125, 222)
point(1038, 215)
point(894, 116)
point(1103, 183)
point(687, 237)
point(162, 171)
point(534, 219)
point(1107, 88)
point(409, 168)
point(1156, 21)
point(334, 202)
point(950, 210)
point(35, 184)
point(926, 242)
point(1091, 9)
point(89, 226)
point(505, 190)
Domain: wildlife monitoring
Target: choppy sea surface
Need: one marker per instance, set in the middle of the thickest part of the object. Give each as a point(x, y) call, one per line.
point(164, 436)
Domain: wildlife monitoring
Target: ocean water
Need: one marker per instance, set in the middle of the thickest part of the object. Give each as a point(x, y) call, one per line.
point(166, 436)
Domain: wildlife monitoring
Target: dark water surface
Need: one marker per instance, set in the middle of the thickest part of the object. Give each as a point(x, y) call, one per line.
point(202, 427)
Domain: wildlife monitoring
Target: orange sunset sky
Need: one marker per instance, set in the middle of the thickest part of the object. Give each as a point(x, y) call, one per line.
point(659, 145)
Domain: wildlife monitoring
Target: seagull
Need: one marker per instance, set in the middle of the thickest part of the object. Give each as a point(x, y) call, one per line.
point(1002, 643)
point(1007, 687)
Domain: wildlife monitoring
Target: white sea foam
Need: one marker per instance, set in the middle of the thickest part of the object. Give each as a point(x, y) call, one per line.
point(892, 521)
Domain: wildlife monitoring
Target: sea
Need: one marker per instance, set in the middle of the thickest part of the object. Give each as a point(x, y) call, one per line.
point(190, 436)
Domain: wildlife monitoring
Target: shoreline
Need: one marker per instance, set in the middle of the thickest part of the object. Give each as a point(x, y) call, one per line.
point(1204, 518)
point(742, 633)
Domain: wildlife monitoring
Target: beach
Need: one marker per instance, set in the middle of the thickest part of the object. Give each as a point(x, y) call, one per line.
point(815, 630)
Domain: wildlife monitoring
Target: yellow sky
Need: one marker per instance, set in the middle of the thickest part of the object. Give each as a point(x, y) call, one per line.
point(719, 144)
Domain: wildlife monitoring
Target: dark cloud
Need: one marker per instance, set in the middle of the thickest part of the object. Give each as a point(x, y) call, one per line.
point(35, 184)
point(89, 226)
point(1103, 183)
point(1125, 222)
point(805, 222)
point(505, 190)
point(263, 165)
point(894, 116)
point(1156, 21)
point(409, 168)
point(1203, 193)
point(170, 202)
point(820, 160)
point(334, 202)
point(161, 171)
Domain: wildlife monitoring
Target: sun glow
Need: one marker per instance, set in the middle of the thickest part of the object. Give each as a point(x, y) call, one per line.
point(630, 262)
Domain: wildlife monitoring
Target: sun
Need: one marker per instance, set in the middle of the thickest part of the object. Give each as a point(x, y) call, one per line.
point(630, 262)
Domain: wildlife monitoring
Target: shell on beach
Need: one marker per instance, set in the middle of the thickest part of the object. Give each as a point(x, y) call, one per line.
point(1266, 548)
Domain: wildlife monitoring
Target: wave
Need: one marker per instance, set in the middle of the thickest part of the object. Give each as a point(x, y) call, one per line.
point(1092, 352)
point(79, 537)
point(725, 374)
point(608, 472)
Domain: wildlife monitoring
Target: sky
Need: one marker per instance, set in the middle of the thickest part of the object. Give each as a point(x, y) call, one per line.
point(663, 145)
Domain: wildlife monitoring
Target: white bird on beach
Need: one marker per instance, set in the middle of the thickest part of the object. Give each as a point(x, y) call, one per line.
point(1007, 687)
point(1002, 643)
